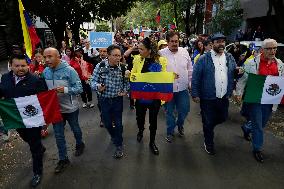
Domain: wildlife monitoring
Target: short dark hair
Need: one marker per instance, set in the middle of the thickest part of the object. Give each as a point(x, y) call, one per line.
point(206, 42)
point(147, 43)
point(112, 47)
point(171, 34)
point(17, 56)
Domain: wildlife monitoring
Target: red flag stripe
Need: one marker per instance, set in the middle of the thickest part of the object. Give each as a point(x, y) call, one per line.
point(151, 95)
point(50, 106)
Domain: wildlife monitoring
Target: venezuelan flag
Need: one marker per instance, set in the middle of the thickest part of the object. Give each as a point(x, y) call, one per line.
point(30, 37)
point(152, 85)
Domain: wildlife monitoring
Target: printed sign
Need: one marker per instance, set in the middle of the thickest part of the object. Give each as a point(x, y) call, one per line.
point(101, 39)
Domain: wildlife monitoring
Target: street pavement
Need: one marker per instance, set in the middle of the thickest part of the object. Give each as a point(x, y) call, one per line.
point(181, 164)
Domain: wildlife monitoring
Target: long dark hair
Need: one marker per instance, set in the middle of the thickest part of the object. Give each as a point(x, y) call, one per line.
point(37, 51)
point(153, 47)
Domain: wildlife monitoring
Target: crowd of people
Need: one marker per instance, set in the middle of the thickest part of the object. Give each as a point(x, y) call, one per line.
point(203, 70)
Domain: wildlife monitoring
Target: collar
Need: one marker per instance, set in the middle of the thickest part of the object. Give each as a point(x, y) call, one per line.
point(214, 54)
point(19, 77)
point(263, 59)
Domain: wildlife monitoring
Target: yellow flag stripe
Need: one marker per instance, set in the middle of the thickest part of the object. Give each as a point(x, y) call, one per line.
point(153, 77)
point(26, 34)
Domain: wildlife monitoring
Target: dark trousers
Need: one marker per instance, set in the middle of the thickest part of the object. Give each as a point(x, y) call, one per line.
point(86, 95)
point(141, 109)
point(213, 112)
point(33, 138)
point(111, 109)
point(99, 106)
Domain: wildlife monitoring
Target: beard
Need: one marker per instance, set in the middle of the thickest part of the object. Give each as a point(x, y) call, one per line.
point(174, 48)
point(219, 49)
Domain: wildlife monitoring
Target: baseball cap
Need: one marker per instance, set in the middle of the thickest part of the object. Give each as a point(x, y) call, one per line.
point(162, 42)
point(217, 36)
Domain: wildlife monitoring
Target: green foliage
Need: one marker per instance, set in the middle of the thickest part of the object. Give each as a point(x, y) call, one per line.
point(102, 27)
point(144, 13)
point(59, 13)
point(227, 19)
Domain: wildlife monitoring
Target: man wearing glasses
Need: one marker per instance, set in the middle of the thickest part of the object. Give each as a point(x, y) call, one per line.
point(111, 85)
point(264, 64)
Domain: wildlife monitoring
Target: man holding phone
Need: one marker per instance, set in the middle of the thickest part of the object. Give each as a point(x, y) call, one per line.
point(111, 85)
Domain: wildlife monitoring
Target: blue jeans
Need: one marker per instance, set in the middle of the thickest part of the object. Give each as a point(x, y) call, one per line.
point(58, 128)
point(213, 112)
point(259, 116)
point(111, 109)
point(247, 126)
point(180, 103)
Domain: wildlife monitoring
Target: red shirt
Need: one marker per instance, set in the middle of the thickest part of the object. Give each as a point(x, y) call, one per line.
point(266, 68)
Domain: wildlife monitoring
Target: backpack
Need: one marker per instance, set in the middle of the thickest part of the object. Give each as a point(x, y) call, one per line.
point(103, 70)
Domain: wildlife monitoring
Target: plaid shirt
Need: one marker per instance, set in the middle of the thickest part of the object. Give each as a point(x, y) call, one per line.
point(112, 78)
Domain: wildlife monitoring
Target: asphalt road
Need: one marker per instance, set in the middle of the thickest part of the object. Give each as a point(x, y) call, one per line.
point(181, 164)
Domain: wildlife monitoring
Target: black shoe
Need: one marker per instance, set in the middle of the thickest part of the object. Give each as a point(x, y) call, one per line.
point(139, 136)
point(61, 165)
point(132, 107)
point(181, 131)
point(258, 156)
point(169, 138)
point(209, 149)
point(79, 149)
point(118, 153)
point(154, 148)
point(246, 135)
point(35, 180)
point(101, 124)
point(43, 149)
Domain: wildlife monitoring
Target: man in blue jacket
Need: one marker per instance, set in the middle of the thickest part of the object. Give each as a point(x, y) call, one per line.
point(65, 80)
point(212, 85)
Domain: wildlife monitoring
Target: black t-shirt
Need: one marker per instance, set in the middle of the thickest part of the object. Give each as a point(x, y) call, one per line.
point(147, 63)
point(130, 58)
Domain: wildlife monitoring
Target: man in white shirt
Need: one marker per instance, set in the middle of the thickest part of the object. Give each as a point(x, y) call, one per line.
point(179, 62)
point(212, 85)
point(89, 51)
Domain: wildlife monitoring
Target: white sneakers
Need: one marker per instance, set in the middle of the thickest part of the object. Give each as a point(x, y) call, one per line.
point(87, 105)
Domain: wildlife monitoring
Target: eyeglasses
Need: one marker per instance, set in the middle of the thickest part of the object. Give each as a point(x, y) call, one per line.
point(271, 48)
point(116, 55)
point(173, 41)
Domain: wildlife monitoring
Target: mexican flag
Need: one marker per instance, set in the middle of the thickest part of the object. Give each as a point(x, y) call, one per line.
point(30, 111)
point(264, 89)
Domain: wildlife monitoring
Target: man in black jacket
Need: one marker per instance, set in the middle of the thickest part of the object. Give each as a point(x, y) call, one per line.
point(19, 83)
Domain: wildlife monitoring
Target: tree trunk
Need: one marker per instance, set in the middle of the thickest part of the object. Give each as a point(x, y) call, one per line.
point(13, 27)
point(76, 32)
point(199, 16)
point(176, 15)
point(187, 18)
point(58, 31)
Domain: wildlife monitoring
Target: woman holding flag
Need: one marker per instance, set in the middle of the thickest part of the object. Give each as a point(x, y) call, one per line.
point(148, 61)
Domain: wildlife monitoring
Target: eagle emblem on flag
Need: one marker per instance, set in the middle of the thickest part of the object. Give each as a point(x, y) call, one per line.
point(273, 89)
point(30, 111)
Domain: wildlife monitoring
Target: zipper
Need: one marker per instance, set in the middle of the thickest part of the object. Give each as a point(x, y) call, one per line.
point(53, 77)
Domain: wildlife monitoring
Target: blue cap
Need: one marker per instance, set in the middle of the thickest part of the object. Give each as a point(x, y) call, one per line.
point(217, 36)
